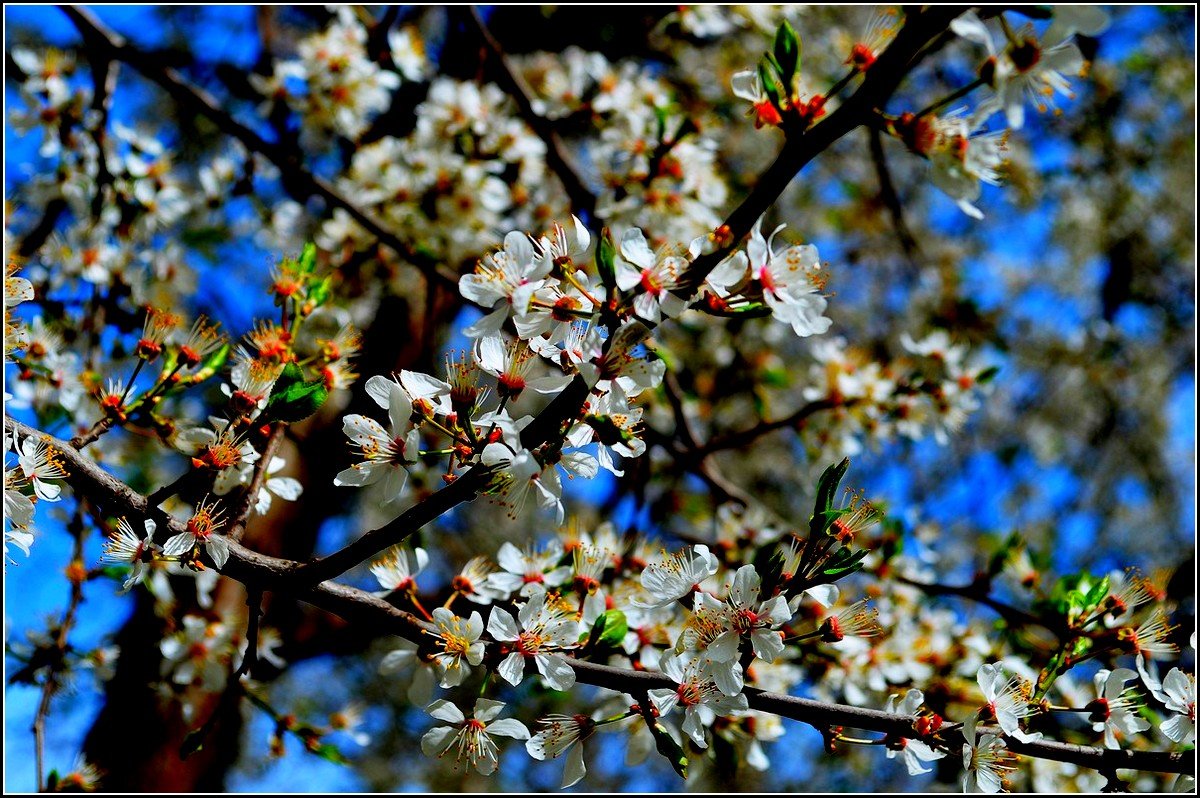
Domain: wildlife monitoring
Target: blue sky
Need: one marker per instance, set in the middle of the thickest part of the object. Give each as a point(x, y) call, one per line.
point(226, 33)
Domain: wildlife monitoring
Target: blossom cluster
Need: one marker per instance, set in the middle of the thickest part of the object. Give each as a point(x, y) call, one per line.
point(712, 626)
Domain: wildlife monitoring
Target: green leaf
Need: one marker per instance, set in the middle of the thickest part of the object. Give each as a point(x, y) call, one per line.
point(768, 563)
point(1075, 596)
point(293, 398)
point(609, 630)
point(776, 377)
point(606, 254)
point(1050, 672)
point(987, 375)
point(308, 258)
point(826, 491)
point(787, 52)
point(670, 749)
point(117, 573)
point(843, 562)
point(329, 752)
point(770, 85)
point(319, 291)
point(211, 364)
point(1097, 594)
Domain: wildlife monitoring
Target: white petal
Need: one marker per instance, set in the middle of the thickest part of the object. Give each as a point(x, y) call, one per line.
point(285, 488)
point(508, 727)
point(218, 549)
point(179, 544)
point(558, 672)
point(575, 769)
point(380, 389)
point(512, 668)
point(502, 626)
point(437, 740)
point(447, 711)
point(487, 709)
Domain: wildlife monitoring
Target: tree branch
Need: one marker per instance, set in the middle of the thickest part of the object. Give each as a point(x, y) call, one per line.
point(241, 515)
point(891, 200)
point(557, 156)
point(260, 572)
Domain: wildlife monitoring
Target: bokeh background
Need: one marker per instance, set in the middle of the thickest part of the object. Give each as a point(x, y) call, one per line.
point(1079, 285)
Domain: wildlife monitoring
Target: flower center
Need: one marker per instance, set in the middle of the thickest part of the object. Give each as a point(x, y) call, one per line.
point(690, 694)
point(744, 621)
point(456, 645)
point(1026, 55)
point(564, 307)
point(651, 283)
point(529, 643)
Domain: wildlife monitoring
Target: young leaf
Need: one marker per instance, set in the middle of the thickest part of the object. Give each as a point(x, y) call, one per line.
point(787, 52)
point(826, 489)
point(608, 631)
point(606, 253)
point(329, 752)
point(308, 258)
point(670, 749)
point(292, 398)
point(320, 290)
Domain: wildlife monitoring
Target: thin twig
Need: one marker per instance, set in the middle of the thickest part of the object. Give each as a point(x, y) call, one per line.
point(557, 157)
point(58, 660)
point(296, 178)
point(973, 592)
point(891, 201)
point(743, 438)
point(249, 498)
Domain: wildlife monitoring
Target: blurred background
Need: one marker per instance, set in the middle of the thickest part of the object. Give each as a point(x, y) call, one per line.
point(1079, 285)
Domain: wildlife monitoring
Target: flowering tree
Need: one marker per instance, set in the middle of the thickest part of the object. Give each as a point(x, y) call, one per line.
point(650, 246)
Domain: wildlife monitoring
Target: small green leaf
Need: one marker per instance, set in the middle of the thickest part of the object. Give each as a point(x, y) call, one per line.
point(117, 573)
point(844, 562)
point(768, 563)
point(329, 752)
point(1075, 596)
point(293, 398)
point(670, 749)
point(607, 632)
point(1097, 594)
point(606, 254)
point(787, 52)
point(211, 364)
point(308, 258)
point(770, 84)
point(776, 377)
point(987, 375)
point(826, 490)
point(1050, 672)
point(320, 291)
